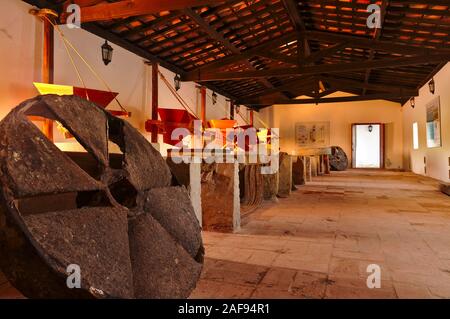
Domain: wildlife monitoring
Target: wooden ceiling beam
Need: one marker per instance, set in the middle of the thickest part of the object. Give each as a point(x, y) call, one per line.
point(355, 98)
point(388, 88)
point(303, 47)
point(83, 3)
point(376, 36)
point(212, 32)
point(319, 69)
point(366, 43)
point(128, 8)
point(292, 85)
point(286, 38)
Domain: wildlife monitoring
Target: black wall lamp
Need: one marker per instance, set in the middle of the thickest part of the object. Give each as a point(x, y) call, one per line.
point(413, 102)
point(214, 98)
point(177, 82)
point(432, 86)
point(370, 128)
point(107, 52)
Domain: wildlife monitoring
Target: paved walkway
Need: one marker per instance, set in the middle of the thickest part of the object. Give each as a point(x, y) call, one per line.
point(319, 242)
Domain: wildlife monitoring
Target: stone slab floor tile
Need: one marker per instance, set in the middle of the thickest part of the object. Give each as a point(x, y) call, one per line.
point(234, 273)
point(210, 289)
point(408, 291)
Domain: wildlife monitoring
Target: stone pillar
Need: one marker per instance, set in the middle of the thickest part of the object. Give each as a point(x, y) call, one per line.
point(271, 186)
point(220, 197)
point(189, 176)
point(251, 184)
point(308, 168)
point(285, 181)
point(298, 171)
point(326, 160)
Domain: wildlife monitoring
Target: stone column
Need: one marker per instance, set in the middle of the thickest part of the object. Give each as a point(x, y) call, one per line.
point(220, 197)
point(189, 176)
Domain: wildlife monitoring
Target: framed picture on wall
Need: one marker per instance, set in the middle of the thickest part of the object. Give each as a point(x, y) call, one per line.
point(312, 134)
point(434, 123)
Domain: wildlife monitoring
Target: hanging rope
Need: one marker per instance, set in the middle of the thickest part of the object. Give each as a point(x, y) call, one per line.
point(99, 78)
point(76, 70)
point(177, 96)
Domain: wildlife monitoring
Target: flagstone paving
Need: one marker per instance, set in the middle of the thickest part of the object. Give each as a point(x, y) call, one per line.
point(319, 242)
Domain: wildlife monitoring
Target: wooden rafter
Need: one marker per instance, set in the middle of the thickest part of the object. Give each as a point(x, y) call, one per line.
point(376, 36)
point(346, 83)
point(219, 38)
point(318, 69)
point(104, 11)
point(303, 47)
point(371, 97)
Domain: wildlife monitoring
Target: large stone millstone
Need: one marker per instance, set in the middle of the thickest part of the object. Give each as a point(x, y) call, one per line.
point(131, 232)
point(338, 159)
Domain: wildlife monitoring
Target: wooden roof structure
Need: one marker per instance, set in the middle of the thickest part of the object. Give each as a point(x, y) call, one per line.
point(264, 52)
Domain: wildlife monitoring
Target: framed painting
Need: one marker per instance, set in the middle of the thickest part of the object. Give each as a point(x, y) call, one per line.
point(312, 134)
point(434, 138)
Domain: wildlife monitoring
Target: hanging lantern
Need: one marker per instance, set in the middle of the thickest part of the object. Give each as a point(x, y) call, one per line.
point(214, 98)
point(413, 102)
point(107, 52)
point(432, 86)
point(177, 82)
point(370, 128)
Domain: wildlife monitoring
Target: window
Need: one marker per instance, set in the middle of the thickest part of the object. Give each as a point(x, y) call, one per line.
point(416, 136)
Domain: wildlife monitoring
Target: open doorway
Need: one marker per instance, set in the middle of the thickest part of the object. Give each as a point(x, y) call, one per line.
point(368, 145)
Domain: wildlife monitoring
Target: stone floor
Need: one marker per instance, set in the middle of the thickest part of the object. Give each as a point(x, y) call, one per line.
point(319, 242)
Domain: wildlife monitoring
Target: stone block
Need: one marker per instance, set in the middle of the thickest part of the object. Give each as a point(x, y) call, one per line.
point(285, 181)
point(220, 197)
point(189, 176)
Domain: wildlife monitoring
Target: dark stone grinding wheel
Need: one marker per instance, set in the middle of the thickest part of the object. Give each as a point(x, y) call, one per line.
point(117, 217)
point(338, 159)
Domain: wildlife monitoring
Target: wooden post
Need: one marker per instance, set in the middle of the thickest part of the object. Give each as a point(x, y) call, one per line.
point(155, 101)
point(251, 118)
point(48, 69)
point(203, 106)
point(231, 110)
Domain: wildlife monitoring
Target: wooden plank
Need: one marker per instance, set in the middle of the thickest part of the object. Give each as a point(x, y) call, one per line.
point(129, 8)
point(155, 100)
point(303, 47)
point(366, 43)
point(369, 97)
point(340, 83)
point(318, 69)
point(203, 106)
point(48, 66)
point(376, 36)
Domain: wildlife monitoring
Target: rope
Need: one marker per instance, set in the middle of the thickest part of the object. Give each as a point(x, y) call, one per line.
point(99, 78)
point(76, 70)
point(177, 96)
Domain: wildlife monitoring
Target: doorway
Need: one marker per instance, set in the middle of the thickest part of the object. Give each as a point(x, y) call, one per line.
point(368, 145)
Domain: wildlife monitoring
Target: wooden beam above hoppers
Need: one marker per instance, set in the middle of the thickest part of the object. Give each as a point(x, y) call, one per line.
point(318, 69)
point(104, 11)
